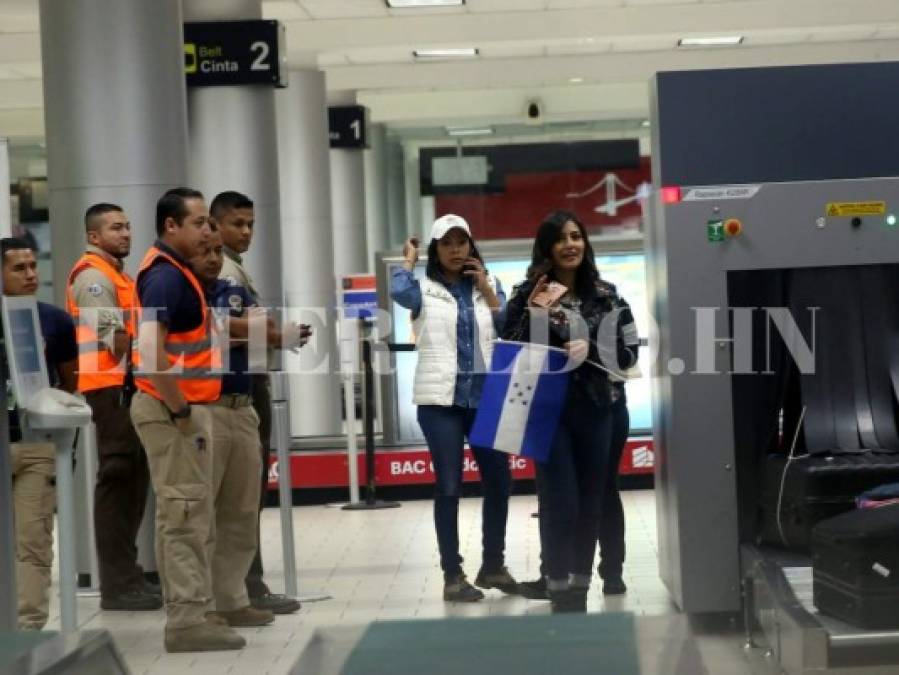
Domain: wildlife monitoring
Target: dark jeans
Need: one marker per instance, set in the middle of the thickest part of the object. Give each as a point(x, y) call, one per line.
point(611, 522)
point(120, 496)
point(445, 429)
point(570, 488)
point(262, 404)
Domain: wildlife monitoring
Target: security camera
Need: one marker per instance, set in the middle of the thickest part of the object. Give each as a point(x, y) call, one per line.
point(533, 111)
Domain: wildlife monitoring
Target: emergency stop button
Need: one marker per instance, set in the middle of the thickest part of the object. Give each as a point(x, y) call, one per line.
point(733, 227)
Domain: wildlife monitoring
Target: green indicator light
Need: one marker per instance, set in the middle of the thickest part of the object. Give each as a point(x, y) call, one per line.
point(891, 220)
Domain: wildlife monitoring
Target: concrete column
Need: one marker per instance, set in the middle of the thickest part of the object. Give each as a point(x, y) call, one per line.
point(307, 238)
point(114, 106)
point(414, 226)
point(377, 223)
point(233, 146)
point(5, 202)
point(396, 193)
point(348, 203)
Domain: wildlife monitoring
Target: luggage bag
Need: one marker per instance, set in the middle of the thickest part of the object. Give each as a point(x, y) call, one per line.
point(817, 487)
point(855, 567)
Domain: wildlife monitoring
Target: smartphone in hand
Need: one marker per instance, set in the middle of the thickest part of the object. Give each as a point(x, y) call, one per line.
point(550, 295)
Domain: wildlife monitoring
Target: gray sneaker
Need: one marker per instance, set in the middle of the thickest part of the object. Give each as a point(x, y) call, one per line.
point(457, 589)
point(204, 637)
point(500, 579)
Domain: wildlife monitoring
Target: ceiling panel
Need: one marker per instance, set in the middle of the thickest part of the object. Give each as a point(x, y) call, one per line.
point(648, 43)
point(479, 6)
point(843, 33)
point(511, 50)
point(329, 59)
point(775, 37)
point(379, 55)
point(582, 46)
point(637, 3)
point(428, 11)
point(344, 9)
point(580, 4)
point(30, 70)
point(887, 32)
point(283, 10)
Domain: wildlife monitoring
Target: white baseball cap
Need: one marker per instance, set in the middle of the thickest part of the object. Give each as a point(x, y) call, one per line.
point(446, 223)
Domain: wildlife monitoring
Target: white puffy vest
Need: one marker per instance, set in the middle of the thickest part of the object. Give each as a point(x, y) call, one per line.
point(435, 336)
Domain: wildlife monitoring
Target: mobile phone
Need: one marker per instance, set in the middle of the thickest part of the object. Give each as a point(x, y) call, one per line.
point(550, 295)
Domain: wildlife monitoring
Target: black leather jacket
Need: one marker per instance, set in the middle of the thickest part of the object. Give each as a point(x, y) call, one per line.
point(586, 380)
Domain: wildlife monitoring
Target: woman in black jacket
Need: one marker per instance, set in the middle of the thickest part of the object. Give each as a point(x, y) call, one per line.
point(570, 482)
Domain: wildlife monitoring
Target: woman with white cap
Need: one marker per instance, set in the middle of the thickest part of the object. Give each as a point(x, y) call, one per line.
point(456, 310)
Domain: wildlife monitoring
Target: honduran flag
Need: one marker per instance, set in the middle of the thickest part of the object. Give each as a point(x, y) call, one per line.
point(522, 400)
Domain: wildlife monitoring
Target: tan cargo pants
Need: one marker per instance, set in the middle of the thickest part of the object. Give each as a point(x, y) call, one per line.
point(181, 474)
point(237, 463)
point(34, 498)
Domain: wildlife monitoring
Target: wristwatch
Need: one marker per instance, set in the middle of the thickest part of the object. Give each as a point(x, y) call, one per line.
point(182, 414)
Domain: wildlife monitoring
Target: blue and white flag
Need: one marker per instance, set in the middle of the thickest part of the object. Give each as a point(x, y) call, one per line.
point(522, 400)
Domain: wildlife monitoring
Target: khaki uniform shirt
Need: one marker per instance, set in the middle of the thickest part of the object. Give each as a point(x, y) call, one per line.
point(93, 290)
point(235, 274)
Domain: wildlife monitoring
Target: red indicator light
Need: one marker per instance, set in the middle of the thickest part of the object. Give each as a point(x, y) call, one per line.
point(733, 227)
point(671, 195)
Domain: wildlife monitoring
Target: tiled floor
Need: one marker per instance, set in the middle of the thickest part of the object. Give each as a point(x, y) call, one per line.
point(382, 565)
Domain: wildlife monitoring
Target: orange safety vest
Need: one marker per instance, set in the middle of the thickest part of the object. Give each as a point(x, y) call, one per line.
point(98, 367)
point(193, 351)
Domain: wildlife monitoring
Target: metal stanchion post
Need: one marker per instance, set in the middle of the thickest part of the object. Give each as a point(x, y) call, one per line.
point(349, 352)
point(368, 416)
point(281, 428)
point(8, 602)
point(65, 528)
point(9, 614)
point(281, 433)
point(85, 483)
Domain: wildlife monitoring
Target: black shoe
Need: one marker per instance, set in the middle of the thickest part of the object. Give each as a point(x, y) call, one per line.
point(150, 588)
point(614, 586)
point(457, 589)
point(132, 601)
point(276, 603)
point(533, 590)
point(500, 579)
point(569, 601)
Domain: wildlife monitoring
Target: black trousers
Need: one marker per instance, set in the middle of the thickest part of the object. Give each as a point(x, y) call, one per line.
point(611, 521)
point(123, 479)
point(262, 403)
point(570, 488)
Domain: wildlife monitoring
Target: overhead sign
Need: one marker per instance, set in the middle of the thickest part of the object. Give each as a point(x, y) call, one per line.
point(348, 126)
point(847, 209)
point(222, 53)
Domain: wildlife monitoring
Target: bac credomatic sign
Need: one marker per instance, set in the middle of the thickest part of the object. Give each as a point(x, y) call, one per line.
point(220, 53)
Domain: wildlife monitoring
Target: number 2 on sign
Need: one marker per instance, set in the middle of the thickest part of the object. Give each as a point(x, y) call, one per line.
point(261, 50)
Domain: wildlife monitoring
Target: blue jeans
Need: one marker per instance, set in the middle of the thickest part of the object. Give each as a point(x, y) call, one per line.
point(445, 429)
point(570, 488)
point(611, 525)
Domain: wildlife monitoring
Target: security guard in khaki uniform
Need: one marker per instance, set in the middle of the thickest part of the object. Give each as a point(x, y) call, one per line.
point(237, 458)
point(232, 213)
point(34, 464)
point(100, 297)
point(176, 364)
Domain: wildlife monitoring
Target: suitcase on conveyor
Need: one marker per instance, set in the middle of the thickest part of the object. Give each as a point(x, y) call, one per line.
point(855, 567)
point(817, 487)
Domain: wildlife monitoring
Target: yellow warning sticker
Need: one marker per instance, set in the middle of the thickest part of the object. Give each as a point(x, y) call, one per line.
point(843, 209)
